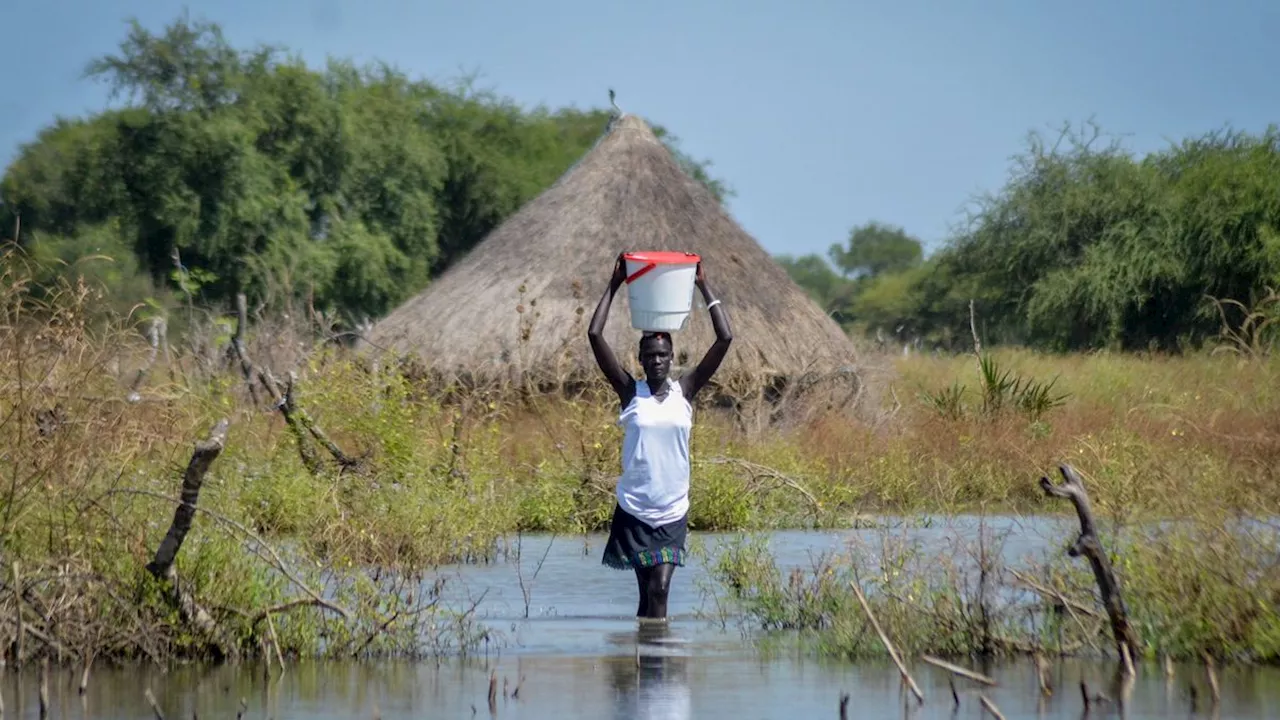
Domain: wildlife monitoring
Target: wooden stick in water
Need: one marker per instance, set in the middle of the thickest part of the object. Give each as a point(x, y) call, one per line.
point(957, 670)
point(155, 706)
point(493, 691)
point(990, 706)
point(915, 689)
point(44, 688)
point(1042, 673)
point(1090, 547)
point(1213, 679)
point(84, 676)
point(275, 643)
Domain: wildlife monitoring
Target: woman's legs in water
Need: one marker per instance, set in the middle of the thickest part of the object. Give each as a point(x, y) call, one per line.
point(642, 583)
point(655, 585)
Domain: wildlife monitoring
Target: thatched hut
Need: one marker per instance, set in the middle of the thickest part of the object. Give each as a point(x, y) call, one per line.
point(520, 301)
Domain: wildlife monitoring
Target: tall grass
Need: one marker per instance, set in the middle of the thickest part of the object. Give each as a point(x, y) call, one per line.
point(89, 473)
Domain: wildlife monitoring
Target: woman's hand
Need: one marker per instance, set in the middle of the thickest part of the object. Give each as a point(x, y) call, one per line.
point(701, 278)
point(619, 273)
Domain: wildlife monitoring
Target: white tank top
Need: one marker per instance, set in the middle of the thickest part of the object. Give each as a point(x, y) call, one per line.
point(654, 486)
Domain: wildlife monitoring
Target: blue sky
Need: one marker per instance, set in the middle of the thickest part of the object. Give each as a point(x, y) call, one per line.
point(821, 114)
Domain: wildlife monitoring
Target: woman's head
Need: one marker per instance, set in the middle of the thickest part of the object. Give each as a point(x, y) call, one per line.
point(656, 351)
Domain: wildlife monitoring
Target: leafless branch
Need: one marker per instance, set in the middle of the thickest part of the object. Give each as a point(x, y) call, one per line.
point(201, 459)
point(875, 624)
point(957, 670)
point(1089, 545)
point(259, 546)
point(757, 471)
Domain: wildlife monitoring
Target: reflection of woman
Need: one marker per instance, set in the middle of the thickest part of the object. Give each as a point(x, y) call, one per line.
point(648, 530)
point(651, 685)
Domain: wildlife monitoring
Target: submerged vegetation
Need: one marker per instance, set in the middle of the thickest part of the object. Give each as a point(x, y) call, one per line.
point(1205, 585)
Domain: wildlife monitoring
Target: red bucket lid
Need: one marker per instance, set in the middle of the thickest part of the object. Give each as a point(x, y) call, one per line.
point(663, 257)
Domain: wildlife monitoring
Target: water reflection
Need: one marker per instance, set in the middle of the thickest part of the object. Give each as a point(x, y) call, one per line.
point(655, 682)
point(582, 654)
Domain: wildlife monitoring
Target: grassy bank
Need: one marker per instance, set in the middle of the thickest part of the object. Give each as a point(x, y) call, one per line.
point(91, 475)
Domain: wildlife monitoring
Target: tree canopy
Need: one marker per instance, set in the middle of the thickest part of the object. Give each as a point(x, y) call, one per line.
point(876, 248)
point(229, 170)
point(1087, 246)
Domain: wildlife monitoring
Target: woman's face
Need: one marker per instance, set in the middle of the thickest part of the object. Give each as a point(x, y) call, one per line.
point(655, 357)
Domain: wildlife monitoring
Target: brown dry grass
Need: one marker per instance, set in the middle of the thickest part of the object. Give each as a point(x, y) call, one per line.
point(82, 468)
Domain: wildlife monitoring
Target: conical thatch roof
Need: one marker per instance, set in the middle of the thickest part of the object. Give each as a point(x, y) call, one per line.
point(521, 299)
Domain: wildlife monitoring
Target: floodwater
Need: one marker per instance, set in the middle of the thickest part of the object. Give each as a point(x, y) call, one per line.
point(580, 653)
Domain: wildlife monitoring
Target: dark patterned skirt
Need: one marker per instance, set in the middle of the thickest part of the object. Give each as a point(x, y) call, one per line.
point(633, 544)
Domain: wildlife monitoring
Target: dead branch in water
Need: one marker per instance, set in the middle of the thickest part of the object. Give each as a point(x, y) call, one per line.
point(1089, 545)
point(1214, 692)
point(1042, 675)
point(162, 565)
point(155, 706)
point(44, 688)
point(957, 670)
point(990, 706)
point(893, 654)
point(493, 692)
point(1053, 594)
point(84, 675)
point(1070, 606)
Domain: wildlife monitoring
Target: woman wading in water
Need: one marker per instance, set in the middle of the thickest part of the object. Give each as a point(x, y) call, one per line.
point(649, 524)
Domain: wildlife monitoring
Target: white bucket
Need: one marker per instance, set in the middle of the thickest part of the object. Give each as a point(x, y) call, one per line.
point(660, 289)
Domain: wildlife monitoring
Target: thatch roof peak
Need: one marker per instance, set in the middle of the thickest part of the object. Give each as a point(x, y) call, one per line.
point(627, 121)
point(521, 299)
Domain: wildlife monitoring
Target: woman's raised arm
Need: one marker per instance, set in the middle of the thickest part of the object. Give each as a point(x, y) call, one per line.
point(608, 362)
point(693, 382)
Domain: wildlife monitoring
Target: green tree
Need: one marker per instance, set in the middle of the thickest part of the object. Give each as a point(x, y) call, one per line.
point(349, 186)
point(817, 278)
point(875, 248)
point(1087, 246)
point(190, 66)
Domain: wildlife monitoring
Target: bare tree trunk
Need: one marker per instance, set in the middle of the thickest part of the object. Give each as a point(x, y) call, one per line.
point(1088, 545)
point(162, 565)
point(237, 345)
point(192, 480)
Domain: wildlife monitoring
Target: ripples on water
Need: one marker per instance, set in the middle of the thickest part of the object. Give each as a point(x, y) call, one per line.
point(580, 653)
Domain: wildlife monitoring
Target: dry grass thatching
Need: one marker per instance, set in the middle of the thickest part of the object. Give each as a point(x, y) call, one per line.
point(520, 302)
